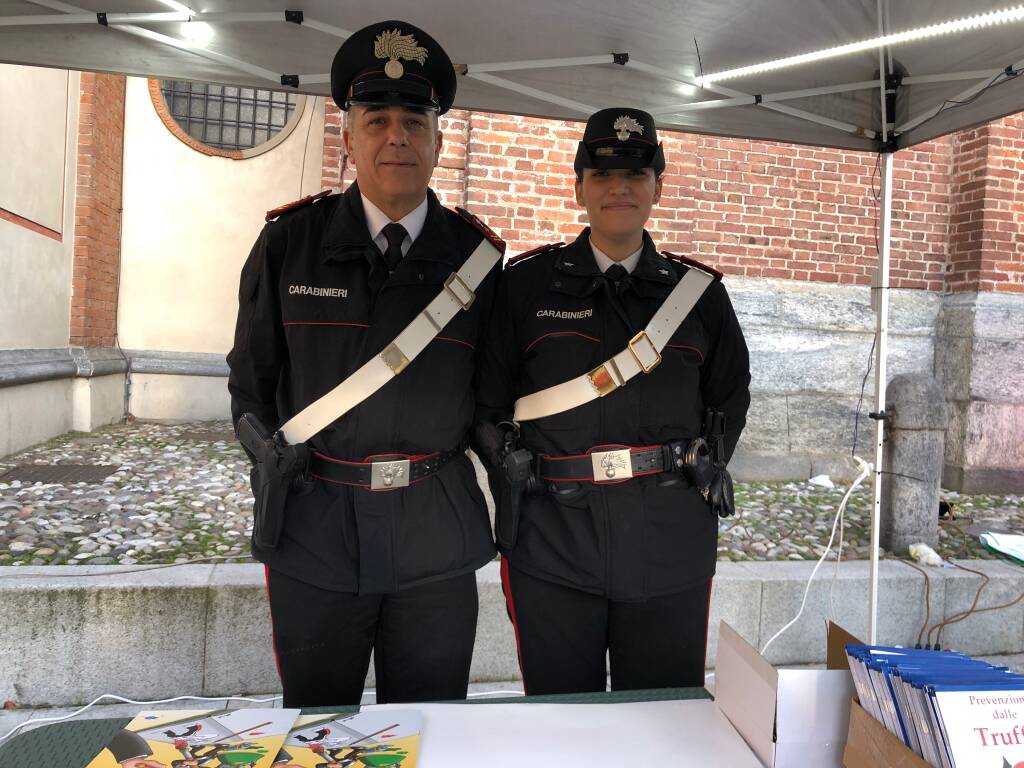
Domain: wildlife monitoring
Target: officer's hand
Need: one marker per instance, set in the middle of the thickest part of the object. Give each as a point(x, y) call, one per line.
point(488, 442)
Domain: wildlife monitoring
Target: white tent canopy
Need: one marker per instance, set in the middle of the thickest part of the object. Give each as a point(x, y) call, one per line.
point(565, 60)
point(537, 57)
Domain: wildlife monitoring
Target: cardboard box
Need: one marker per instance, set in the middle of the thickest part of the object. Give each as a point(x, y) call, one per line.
point(790, 718)
point(870, 745)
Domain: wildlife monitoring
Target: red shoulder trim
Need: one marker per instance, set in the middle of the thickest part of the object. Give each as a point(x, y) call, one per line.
point(535, 252)
point(477, 224)
point(296, 204)
point(694, 263)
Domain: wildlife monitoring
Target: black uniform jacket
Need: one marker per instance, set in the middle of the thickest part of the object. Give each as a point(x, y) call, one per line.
point(557, 317)
point(294, 343)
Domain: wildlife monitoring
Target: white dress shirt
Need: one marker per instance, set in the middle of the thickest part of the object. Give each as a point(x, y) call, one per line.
point(376, 220)
point(604, 260)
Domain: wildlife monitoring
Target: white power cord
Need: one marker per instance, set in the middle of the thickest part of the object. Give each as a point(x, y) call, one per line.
point(865, 470)
point(76, 713)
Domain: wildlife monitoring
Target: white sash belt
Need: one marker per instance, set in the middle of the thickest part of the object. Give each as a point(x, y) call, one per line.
point(458, 294)
point(642, 354)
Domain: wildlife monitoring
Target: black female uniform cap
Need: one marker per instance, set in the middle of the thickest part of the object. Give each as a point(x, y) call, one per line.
point(620, 137)
point(393, 62)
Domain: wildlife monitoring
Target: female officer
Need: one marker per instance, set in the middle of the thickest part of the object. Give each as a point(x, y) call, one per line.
point(610, 547)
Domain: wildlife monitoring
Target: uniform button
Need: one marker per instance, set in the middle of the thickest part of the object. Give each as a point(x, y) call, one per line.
point(421, 276)
point(558, 284)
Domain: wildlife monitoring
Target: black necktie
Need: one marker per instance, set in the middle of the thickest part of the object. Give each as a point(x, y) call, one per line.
point(617, 273)
point(395, 235)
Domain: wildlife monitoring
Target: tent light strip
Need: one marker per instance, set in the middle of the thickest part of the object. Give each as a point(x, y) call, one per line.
point(90, 18)
point(1007, 15)
point(179, 7)
point(848, 128)
point(741, 101)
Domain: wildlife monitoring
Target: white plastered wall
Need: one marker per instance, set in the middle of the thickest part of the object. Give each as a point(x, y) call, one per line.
point(189, 221)
point(37, 143)
point(38, 136)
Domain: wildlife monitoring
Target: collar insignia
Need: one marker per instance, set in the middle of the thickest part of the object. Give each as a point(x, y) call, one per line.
point(393, 45)
point(626, 125)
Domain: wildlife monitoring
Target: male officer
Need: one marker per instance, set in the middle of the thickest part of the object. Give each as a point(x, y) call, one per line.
point(629, 406)
point(382, 532)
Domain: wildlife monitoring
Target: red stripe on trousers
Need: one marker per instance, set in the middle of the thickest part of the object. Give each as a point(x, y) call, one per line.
point(273, 641)
point(707, 620)
point(510, 607)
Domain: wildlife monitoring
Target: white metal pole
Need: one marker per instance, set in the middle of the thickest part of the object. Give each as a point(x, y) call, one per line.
point(881, 299)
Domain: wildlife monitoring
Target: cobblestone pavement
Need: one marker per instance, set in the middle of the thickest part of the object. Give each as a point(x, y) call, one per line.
point(181, 492)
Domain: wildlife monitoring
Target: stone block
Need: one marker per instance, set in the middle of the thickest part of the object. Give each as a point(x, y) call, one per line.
point(70, 636)
point(767, 428)
point(785, 360)
point(239, 650)
point(956, 318)
point(755, 301)
point(993, 435)
point(736, 599)
point(841, 469)
point(494, 656)
point(997, 370)
point(747, 466)
point(998, 631)
point(998, 316)
point(985, 480)
point(810, 306)
point(914, 312)
point(900, 615)
point(822, 423)
point(953, 366)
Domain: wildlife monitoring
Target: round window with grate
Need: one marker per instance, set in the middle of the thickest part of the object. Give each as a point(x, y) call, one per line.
point(226, 120)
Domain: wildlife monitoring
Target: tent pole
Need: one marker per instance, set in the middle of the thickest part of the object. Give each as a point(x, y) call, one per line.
point(881, 301)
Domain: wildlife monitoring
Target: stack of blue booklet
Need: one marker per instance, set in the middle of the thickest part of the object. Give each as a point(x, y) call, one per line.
point(950, 709)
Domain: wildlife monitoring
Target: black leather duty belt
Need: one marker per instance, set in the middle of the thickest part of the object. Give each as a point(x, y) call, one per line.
point(382, 472)
point(613, 463)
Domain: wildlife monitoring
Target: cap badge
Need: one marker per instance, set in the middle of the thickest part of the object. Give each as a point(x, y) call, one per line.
point(393, 45)
point(626, 125)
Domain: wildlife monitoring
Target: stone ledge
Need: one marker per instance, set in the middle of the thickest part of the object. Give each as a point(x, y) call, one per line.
point(206, 629)
point(28, 366)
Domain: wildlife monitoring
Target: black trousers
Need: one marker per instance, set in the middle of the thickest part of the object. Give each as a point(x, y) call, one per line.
point(564, 634)
point(421, 638)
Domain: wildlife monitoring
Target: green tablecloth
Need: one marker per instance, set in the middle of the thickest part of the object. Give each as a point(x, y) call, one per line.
point(73, 743)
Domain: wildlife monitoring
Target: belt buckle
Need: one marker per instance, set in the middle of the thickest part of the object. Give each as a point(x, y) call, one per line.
point(652, 353)
point(388, 475)
point(606, 378)
point(394, 358)
point(458, 289)
point(611, 465)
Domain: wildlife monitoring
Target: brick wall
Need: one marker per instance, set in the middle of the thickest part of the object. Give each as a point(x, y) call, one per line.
point(986, 241)
point(97, 246)
point(763, 209)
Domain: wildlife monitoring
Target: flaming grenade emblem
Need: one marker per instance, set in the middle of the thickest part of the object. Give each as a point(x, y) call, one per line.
point(393, 45)
point(611, 463)
point(391, 472)
point(626, 125)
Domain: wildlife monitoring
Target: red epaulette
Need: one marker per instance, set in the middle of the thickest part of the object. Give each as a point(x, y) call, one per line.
point(530, 254)
point(487, 232)
point(694, 263)
point(296, 204)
